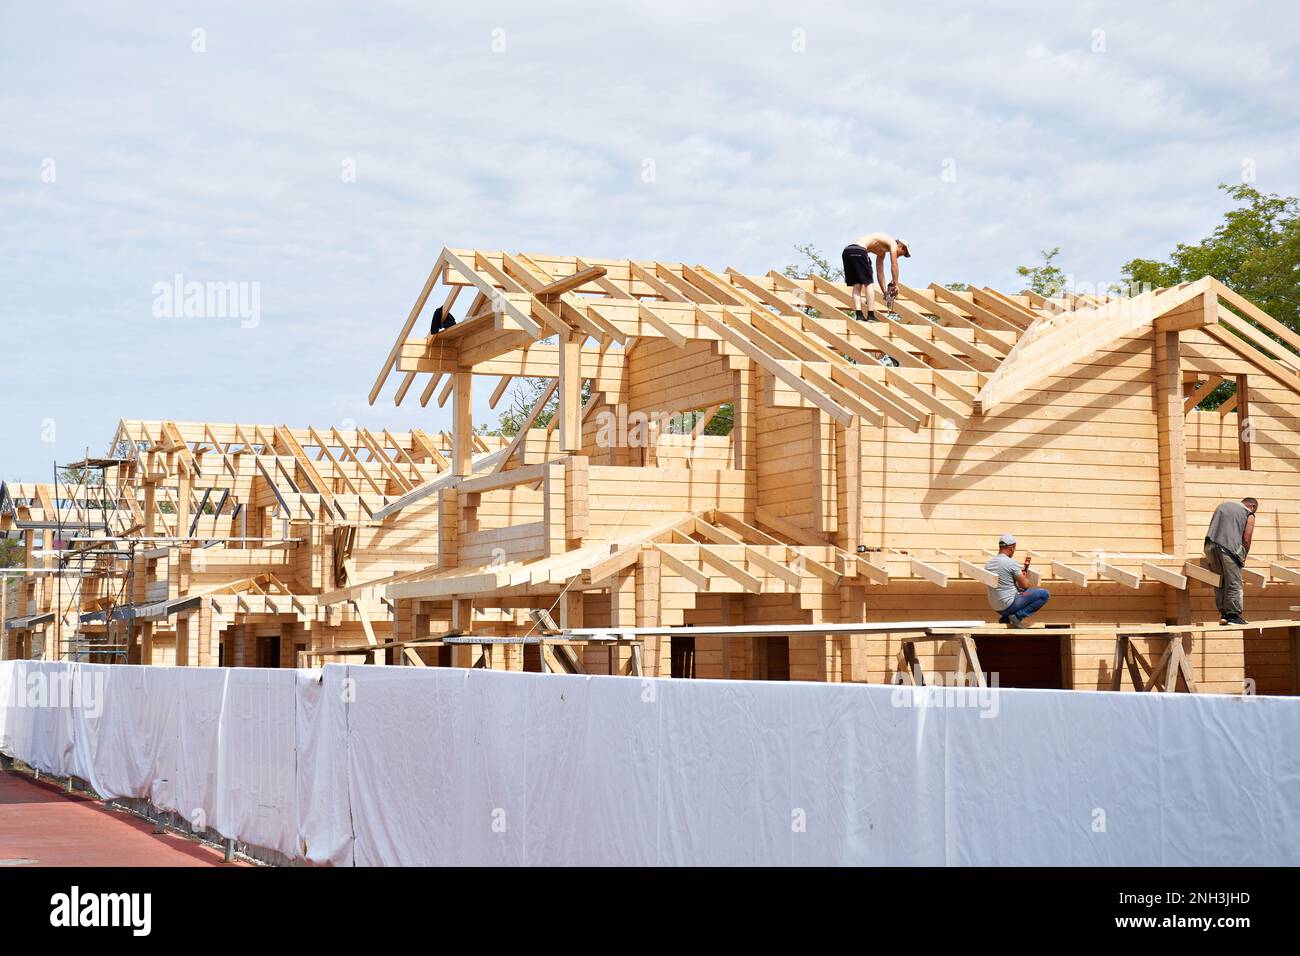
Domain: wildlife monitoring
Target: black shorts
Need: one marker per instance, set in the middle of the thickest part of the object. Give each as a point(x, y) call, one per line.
point(857, 265)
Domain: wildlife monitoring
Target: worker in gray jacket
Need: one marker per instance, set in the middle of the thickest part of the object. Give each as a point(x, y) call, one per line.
point(1227, 543)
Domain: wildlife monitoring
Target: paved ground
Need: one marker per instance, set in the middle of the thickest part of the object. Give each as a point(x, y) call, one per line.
point(39, 822)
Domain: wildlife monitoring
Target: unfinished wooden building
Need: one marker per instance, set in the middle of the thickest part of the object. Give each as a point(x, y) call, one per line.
point(207, 544)
point(1073, 423)
point(725, 450)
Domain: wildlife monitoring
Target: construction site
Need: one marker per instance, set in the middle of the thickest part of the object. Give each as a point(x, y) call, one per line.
point(735, 480)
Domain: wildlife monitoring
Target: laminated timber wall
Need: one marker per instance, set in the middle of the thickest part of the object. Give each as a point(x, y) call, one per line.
point(1019, 470)
point(1214, 475)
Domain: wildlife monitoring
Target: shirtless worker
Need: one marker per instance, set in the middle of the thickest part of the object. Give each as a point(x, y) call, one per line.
point(857, 269)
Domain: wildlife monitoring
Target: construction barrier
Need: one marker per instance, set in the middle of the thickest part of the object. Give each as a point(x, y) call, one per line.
point(403, 765)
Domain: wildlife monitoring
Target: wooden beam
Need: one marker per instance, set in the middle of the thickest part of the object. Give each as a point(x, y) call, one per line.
point(1126, 578)
point(983, 575)
point(928, 571)
point(1284, 574)
point(695, 576)
point(407, 326)
point(1201, 573)
point(1164, 575)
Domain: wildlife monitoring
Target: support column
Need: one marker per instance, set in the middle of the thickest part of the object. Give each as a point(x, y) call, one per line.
point(570, 389)
point(622, 613)
point(743, 438)
point(182, 640)
point(462, 622)
point(1170, 424)
point(656, 660)
point(462, 434)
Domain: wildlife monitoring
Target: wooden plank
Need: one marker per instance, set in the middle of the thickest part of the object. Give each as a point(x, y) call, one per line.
point(928, 571)
point(1126, 578)
point(695, 576)
point(1164, 575)
point(983, 575)
point(1199, 572)
point(1283, 574)
point(396, 350)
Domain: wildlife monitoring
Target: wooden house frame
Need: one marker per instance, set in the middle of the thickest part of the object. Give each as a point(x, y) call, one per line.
point(865, 474)
point(850, 489)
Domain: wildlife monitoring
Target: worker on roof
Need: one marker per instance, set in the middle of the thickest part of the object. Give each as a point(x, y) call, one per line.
point(1227, 543)
point(858, 274)
point(1014, 598)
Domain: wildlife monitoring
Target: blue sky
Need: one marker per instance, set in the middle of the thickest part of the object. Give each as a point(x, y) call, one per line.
point(126, 157)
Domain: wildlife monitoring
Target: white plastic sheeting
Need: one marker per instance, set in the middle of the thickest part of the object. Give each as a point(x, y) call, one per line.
point(381, 766)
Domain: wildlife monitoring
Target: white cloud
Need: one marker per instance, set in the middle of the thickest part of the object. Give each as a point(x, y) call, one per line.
point(226, 165)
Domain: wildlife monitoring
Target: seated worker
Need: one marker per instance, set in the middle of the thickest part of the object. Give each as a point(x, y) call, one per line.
point(857, 270)
point(1013, 598)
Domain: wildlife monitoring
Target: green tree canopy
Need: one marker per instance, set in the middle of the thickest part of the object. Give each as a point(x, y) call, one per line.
point(1047, 279)
point(1255, 251)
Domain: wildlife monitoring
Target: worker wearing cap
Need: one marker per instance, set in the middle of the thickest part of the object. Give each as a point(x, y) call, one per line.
point(1013, 597)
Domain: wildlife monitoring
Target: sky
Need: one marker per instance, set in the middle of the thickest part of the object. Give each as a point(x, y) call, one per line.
point(320, 154)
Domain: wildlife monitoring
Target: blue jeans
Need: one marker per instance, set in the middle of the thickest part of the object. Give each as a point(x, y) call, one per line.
point(1026, 603)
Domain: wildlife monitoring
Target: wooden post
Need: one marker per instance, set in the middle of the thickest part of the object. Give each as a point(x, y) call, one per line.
point(647, 611)
point(622, 610)
point(184, 491)
point(146, 642)
point(462, 435)
point(182, 640)
point(448, 529)
point(744, 444)
point(1172, 457)
point(1243, 423)
point(462, 622)
point(570, 410)
point(205, 654)
point(555, 509)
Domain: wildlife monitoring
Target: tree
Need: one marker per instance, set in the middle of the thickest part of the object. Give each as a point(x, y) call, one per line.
point(1255, 251)
point(11, 553)
point(520, 398)
point(1048, 279)
point(817, 265)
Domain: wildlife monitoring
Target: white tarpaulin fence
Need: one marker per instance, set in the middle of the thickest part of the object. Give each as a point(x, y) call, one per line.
point(387, 765)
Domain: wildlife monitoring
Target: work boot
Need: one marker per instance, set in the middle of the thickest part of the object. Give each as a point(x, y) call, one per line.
point(1237, 619)
point(1014, 622)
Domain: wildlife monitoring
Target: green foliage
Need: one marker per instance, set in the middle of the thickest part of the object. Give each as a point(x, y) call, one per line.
point(816, 264)
point(722, 422)
point(1047, 279)
point(1255, 251)
point(11, 553)
point(957, 286)
point(520, 398)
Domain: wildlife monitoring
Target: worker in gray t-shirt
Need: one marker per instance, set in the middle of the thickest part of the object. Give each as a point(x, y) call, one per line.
point(1227, 543)
point(1013, 597)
